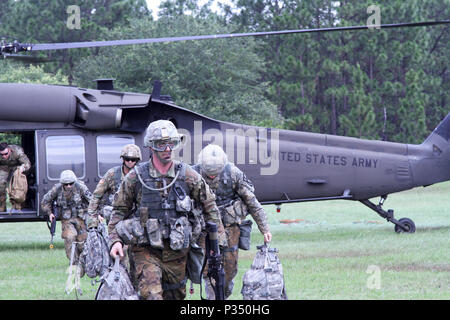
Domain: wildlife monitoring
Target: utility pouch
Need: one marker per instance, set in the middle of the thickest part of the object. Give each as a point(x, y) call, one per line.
point(131, 231)
point(195, 263)
point(184, 204)
point(233, 213)
point(240, 209)
point(197, 222)
point(244, 237)
point(180, 234)
point(154, 233)
point(124, 232)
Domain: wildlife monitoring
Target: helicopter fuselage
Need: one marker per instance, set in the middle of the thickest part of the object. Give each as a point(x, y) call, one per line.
point(84, 129)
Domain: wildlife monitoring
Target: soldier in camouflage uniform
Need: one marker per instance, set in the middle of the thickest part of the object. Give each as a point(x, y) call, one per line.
point(72, 198)
point(106, 188)
point(161, 189)
point(12, 157)
point(235, 199)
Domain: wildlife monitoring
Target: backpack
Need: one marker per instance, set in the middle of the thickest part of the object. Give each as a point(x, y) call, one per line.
point(264, 280)
point(18, 187)
point(116, 284)
point(95, 257)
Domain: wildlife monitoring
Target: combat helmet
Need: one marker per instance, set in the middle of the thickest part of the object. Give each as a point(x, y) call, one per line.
point(131, 151)
point(67, 176)
point(212, 159)
point(161, 134)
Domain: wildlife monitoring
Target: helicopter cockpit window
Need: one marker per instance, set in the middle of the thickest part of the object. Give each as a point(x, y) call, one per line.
point(58, 158)
point(108, 151)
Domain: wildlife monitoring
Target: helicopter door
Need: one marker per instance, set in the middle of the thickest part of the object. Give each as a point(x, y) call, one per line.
point(59, 150)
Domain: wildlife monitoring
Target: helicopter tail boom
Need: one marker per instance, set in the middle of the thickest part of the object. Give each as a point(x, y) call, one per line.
point(431, 159)
point(442, 130)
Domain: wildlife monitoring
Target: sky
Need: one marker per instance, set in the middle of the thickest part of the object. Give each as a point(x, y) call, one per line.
point(154, 4)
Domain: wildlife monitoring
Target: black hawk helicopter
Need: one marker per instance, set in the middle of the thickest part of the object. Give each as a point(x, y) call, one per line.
point(83, 129)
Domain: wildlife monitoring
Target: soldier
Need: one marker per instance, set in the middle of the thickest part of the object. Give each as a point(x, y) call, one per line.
point(107, 187)
point(12, 157)
point(72, 198)
point(109, 184)
point(161, 189)
point(235, 199)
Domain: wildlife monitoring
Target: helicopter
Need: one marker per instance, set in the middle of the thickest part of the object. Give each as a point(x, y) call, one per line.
point(83, 129)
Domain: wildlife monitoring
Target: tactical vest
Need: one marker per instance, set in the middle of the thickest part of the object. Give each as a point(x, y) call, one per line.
point(165, 210)
point(73, 207)
point(117, 178)
point(224, 193)
point(232, 209)
point(108, 197)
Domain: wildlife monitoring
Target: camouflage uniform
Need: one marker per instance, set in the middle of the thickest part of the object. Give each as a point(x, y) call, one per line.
point(235, 199)
point(17, 158)
point(161, 267)
point(102, 195)
point(108, 186)
point(71, 206)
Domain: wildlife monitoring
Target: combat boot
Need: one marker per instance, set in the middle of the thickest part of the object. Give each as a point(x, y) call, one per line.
point(15, 207)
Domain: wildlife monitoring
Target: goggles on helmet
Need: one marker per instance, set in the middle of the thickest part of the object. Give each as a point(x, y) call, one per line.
point(161, 145)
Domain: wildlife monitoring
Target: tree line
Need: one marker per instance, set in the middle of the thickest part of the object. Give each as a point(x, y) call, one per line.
point(389, 84)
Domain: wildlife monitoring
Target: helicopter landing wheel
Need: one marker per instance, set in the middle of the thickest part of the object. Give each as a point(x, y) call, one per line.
point(409, 225)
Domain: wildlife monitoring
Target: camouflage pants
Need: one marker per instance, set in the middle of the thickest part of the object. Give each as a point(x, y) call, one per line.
point(4, 180)
point(230, 262)
point(159, 274)
point(73, 230)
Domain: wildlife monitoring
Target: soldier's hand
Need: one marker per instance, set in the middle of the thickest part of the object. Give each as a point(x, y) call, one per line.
point(51, 216)
point(117, 249)
point(267, 237)
point(100, 218)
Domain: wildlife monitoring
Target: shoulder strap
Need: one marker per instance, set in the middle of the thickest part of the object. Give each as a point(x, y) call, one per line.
point(225, 176)
point(117, 176)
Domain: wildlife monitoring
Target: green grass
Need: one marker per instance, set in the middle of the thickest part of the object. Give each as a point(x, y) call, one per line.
point(325, 255)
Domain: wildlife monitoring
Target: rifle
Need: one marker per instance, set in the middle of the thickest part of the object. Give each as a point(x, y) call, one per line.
point(215, 266)
point(52, 226)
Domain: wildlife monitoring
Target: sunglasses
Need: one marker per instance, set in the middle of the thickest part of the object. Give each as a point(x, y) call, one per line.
point(4, 154)
point(130, 159)
point(68, 184)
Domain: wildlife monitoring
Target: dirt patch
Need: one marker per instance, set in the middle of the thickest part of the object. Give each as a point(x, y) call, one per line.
point(418, 267)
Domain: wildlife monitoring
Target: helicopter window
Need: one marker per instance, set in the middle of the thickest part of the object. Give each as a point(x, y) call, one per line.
point(108, 151)
point(58, 159)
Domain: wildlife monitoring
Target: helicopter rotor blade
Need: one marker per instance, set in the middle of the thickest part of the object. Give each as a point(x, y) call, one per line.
point(91, 44)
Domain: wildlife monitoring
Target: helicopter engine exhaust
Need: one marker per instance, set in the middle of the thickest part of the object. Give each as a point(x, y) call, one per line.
point(16, 100)
point(84, 108)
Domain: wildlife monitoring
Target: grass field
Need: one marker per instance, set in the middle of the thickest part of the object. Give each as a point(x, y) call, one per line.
point(335, 250)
